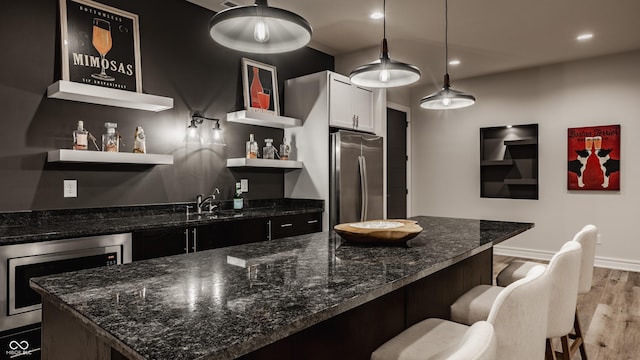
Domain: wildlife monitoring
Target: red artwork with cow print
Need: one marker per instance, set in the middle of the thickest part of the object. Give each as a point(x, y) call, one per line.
point(594, 158)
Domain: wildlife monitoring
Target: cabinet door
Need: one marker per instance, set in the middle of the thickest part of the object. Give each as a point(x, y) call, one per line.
point(362, 107)
point(246, 231)
point(340, 112)
point(148, 244)
point(210, 236)
point(292, 225)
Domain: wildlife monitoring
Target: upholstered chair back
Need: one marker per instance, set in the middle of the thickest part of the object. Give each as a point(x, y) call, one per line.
point(519, 319)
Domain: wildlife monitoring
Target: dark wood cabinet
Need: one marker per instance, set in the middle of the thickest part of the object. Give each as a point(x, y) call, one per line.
point(169, 241)
point(292, 225)
point(148, 244)
point(509, 162)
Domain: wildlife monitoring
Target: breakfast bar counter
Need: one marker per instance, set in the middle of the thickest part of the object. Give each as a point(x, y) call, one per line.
point(310, 296)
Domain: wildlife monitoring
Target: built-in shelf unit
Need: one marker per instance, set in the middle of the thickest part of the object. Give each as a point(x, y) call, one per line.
point(269, 120)
point(509, 162)
point(68, 90)
point(87, 156)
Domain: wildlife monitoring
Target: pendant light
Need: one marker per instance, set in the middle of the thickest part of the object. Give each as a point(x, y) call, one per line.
point(447, 98)
point(384, 72)
point(259, 28)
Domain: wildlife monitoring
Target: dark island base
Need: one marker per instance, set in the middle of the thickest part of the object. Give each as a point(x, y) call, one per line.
point(350, 335)
point(355, 334)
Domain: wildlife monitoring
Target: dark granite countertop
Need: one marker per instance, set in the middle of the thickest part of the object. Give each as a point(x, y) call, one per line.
point(45, 225)
point(223, 303)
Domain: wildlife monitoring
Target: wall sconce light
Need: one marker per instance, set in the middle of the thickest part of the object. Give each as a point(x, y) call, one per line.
point(193, 134)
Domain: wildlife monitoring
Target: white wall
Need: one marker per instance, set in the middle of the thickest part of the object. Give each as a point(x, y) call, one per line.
point(599, 91)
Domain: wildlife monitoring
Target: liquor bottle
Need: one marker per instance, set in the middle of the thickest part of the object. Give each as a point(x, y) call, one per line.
point(285, 149)
point(139, 143)
point(255, 88)
point(251, 148)
point(111, 140)
point(268, 152)
point(238, 201)
point(80, 137)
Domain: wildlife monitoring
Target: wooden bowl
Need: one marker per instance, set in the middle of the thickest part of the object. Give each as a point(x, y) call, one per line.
point(379, 231)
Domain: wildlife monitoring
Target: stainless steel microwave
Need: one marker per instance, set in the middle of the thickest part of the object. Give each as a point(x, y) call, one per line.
point(21, 305)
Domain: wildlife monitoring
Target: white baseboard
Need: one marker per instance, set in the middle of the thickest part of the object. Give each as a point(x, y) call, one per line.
point(600, 261)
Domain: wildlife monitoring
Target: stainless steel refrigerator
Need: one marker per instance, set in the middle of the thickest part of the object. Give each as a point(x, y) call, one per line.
point(356, 177)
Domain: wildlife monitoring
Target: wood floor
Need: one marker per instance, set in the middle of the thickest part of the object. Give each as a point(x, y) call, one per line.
point(609, 314)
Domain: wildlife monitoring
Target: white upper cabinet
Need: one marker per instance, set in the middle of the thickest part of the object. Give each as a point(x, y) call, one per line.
point(350, 106)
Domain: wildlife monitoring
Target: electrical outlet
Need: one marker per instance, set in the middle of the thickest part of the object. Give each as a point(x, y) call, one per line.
point(599, 240)
point(244, 185)
point(70, 188)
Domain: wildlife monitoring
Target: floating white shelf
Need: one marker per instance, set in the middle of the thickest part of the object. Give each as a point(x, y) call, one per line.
point(69, 90)
point(87, 156)
point(264, 163)
point(263, 119)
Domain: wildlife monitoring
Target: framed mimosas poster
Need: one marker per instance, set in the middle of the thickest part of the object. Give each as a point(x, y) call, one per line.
point(100, 45)
point(260, 85)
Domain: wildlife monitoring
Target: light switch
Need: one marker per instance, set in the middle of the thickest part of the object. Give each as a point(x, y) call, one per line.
point(70, 188)
point(244, 185)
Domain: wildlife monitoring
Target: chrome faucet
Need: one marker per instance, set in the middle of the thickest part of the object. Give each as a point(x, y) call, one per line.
point(200, 201)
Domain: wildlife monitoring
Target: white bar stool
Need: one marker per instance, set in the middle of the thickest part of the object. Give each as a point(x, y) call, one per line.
point(517, 318)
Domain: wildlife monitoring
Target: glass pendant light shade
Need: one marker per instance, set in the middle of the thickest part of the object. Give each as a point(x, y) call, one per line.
point(217, 138)
point(385, 72)
point(260, 29)
point(447, 98)
point(193, 134)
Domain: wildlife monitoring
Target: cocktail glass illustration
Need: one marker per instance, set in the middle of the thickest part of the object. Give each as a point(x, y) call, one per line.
point(597, 142)
point(264, 96)
point(588, 143)
point(102, 42)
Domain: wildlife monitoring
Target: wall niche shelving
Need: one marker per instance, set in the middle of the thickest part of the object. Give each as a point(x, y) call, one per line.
point(509, 162)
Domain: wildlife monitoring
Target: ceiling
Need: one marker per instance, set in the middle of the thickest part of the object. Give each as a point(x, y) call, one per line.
point(487, 36)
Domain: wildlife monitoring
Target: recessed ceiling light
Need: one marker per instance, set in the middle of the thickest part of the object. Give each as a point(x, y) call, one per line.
point(584, 37)
point(376, 15)
point(454, 62)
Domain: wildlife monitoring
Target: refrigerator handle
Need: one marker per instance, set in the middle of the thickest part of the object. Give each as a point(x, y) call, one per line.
point(364, 188)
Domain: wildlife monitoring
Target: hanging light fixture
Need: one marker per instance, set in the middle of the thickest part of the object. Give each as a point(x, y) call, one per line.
point(193, 134)
point(384, 72)
point(447, 98)
point(259, 28)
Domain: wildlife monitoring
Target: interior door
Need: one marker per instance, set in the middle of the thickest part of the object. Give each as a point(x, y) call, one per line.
point(396, 164)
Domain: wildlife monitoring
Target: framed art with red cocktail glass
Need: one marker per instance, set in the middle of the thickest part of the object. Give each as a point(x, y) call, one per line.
point(260, 85)
point(594, 158)
point(100, 45)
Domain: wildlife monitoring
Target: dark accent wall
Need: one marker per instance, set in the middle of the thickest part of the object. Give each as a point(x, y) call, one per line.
point(179, 60)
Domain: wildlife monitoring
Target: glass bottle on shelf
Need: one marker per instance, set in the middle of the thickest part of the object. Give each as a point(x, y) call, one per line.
point(252, 148)
point(139, 143)
point(238, 201)
point(80, 137)
point(256, 88)
point(111, 140)
point(285, 149)
point(269, 152)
